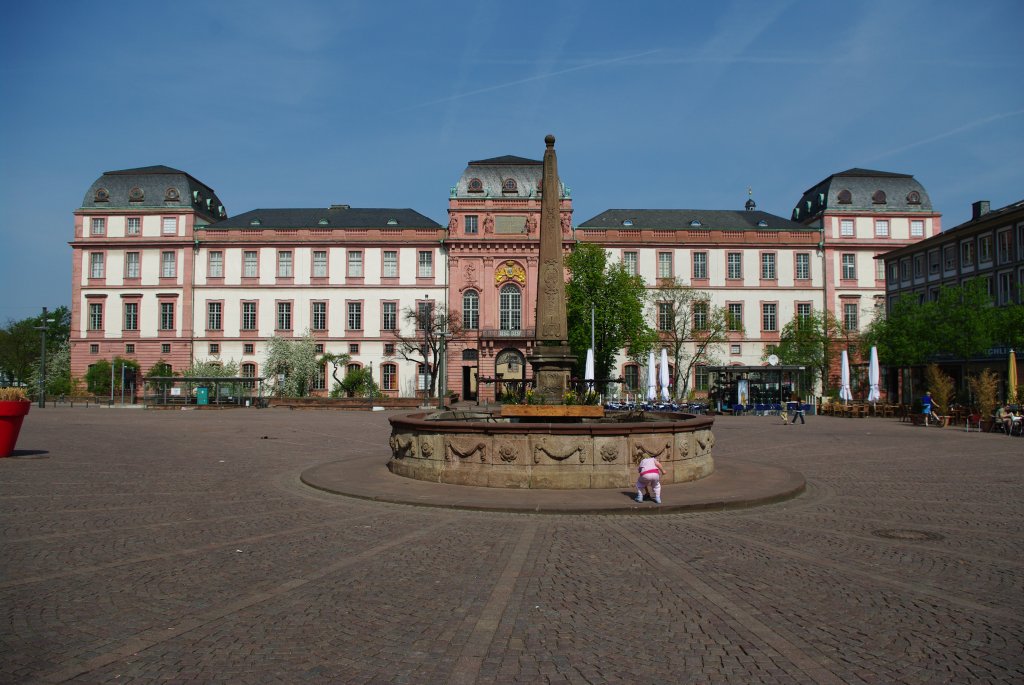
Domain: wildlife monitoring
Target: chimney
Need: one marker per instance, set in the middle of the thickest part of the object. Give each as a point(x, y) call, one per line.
point(979, 208)
point(340, 207)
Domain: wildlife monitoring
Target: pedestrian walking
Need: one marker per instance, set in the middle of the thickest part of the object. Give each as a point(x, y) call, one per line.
point(795, 409)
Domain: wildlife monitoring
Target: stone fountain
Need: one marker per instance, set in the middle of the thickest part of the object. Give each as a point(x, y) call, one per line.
point(549, 445)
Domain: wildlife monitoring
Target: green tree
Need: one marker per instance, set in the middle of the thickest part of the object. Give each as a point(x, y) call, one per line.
point(963, 322)
point(422, 339)
point(58, 371)
point(97, 378)
point(20, 344)
point(357, 383)
point(811, 341)
point(618, 299)
point(690, 327)
point(160, 369)
point(337, 362)
point(295, 360)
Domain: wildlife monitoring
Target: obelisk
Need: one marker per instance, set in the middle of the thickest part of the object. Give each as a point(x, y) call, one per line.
point(551, 359)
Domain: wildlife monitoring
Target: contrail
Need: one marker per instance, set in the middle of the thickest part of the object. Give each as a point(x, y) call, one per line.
point(532, 78)
point(952, 132)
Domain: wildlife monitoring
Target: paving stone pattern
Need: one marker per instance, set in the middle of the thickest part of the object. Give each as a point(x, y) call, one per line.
point(181, 547)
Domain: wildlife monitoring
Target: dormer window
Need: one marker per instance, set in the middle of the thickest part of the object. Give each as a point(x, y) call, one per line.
point(695, 224)
point(136, 195)
point(323, 222)
point(627, 222)
point(255, 222)
point(171, 195)
point(102, 195)
point(796, 213)
point(509, 186)
point(195, 196)
point(914, 198)
point(392, 222)
point(475, 185)
point(878, 197)
point(762, 223)
point(220, 211)
point(844, 197)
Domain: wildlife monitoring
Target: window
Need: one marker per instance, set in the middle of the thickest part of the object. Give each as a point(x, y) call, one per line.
point(700, 264)
point(355, 264)
point(168, 265)
point(967, 254)
point(131, 265)
point(213, 316)
point(284, 316)
point(735, 349)
point(879, 270)
point(735, 265)
point(881, 228)
point(664, 265)
point(916, 228)
point(666, 320)
point(320, 377)
point(389, 349)
point(803, 313)
point(133, 225)
point(424, 313)
point(913, 198)
point(94, 349)
point(933, 262)
point(735, 322)
point(165, 348)
point(629, 261)
point(98, 227)
point(878, 197)
point(510, 308)
point(803, 265)
point(319, 263)
point(905, 270)
point(918, 266)
point(470, 310)
point(421, 377)
point(471, 224)
point(632, 374)
point(353, 348)
point(248, 348)
point(284, 264)
point(1004, 247)
point(214, 349)
point(769, 317)
point(216, 264)
point(389, 316)
point(850, 317)
point(170, 225)
point(845, 197)
point(319, 316)
point(949, 257)
point(425, 267)
point(129, 348)
point(849, 266)
point(390, 264)
point(700, 316)
point(248, 316)
point(1005, 288)
point(167, 316)
point(355, 316)
point(131, 316)
point(985, 249)
point(846, 228)
point(318, 348)
point(388, 376)
point(250, 264)
point(700, 377)
point(249, 371)
point(95, 316)
point(509, 186)
point(768, 266)
point(95, 265)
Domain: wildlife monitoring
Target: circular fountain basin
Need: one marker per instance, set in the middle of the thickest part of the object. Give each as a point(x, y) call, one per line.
point(483, 449)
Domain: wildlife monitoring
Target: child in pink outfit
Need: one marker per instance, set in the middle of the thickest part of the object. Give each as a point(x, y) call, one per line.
point(650, 478)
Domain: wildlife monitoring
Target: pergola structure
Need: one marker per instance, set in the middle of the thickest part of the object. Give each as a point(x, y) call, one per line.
point(732, 385)
point(241, 390)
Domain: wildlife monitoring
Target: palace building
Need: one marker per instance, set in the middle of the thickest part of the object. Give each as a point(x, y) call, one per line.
point(162, 272)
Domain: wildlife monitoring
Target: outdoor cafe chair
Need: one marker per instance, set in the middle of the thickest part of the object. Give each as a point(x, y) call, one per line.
point(973, 421)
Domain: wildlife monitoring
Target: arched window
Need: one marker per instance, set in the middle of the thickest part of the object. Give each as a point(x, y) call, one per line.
point(631, 372)
point(510, 308)
point(470, 310)
point(878, 198)
point(249, 370)
point(388, 377)
point(844, 197)
point(475, 185)
point(509, 186)
point(352, 367)
point(913, 198)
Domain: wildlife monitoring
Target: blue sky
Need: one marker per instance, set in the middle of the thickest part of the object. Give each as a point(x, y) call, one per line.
point(381, 104)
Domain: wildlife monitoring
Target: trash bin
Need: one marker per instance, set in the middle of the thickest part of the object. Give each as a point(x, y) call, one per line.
point(202, 395)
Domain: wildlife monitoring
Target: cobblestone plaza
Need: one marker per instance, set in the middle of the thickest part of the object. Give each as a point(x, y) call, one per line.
point(184, 546)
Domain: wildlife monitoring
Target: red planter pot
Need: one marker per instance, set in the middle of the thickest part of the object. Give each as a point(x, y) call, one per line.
point(11, 416)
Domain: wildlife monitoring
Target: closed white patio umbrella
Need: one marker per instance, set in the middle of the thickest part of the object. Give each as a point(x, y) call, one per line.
point(652, 393)
point(844, 387)
point(874, 375)
point(665, 396)
point(588, 372)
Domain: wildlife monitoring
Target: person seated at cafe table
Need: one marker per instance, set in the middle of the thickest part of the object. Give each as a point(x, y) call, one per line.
point(1005, 417)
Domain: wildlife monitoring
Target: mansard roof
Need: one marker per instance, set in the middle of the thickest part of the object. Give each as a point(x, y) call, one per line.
point(863, 190)
point(335, 216)
point(490, 178)
point(152, 187)
point(691, 219)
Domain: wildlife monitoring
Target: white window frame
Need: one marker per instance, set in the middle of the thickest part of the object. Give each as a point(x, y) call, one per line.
point(355, 264)
point(881, 228)
point(216, 264)
point(169, 264)
point(319, 263)
point(846, 228)
point(169, 225)
point(285, 265)
point(425, 264)
point(97, 265)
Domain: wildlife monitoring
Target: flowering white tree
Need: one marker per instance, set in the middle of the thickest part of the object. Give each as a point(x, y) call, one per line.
point(295, 360)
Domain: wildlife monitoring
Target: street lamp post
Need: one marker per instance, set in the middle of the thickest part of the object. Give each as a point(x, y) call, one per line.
point(42, 359)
